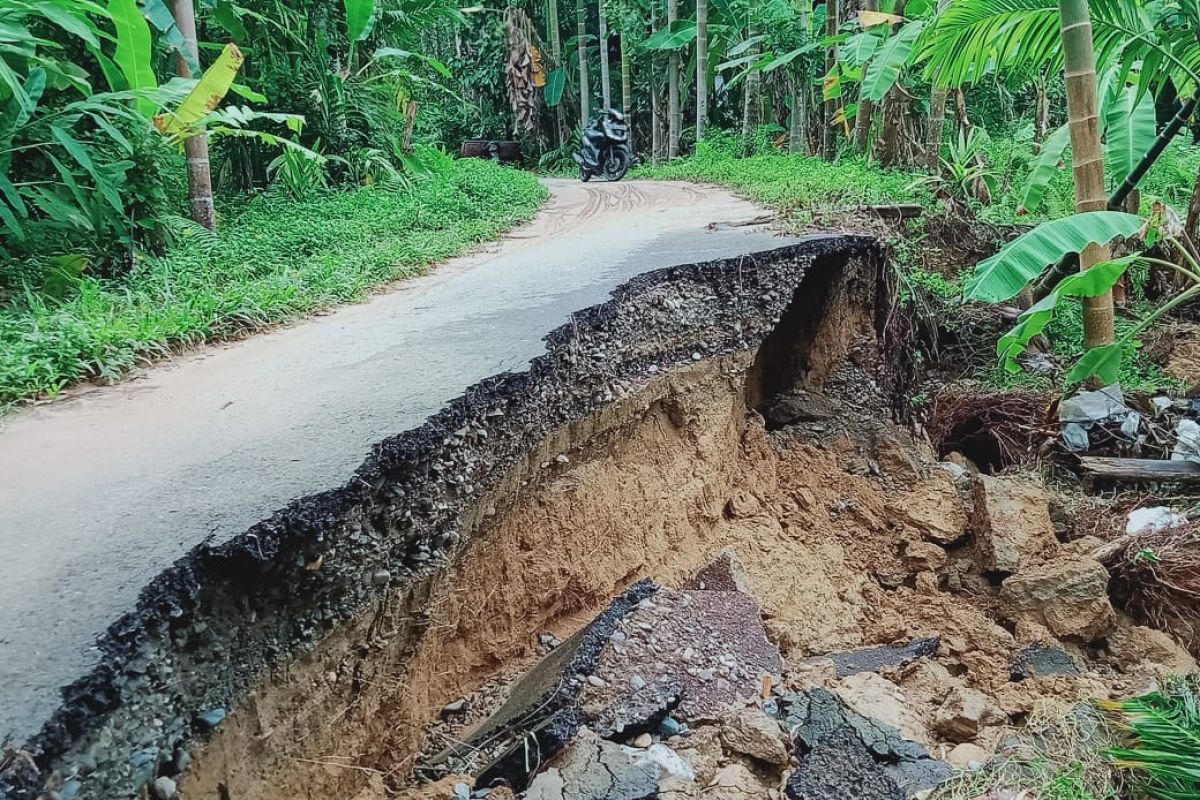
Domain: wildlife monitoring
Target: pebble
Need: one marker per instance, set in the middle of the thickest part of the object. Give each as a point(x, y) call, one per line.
point(457, 707)
point(618, 636)
point(643, 741)
point(380, 577)
point(671, 727)
point(211, 718)
point(164, 788)
point(596, 680)
point(461, 791)
point(637, 682)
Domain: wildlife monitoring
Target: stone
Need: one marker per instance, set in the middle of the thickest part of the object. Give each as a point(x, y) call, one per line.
point(1012, 523)
point(933, 508)
point(752, 733)
point(1069, 596)
point(735, 782)
point(1039, 661)
point(462, 791)
point(1149, 649)
point(840, 768)
point(875, 659)
point(591, 768)
point(643, 741)
point(967, 756)
point(211, 718)
point(742, 505)
point(163, 788)
point(671, 727)
point(702, 750)
point(964, 714)
point(923, 556)
point(457, 707)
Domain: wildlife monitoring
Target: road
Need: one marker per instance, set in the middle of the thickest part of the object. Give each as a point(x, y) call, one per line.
point(101, 491)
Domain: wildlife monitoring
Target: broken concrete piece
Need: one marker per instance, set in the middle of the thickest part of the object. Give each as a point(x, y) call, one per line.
point(1012, 523)
point(1070, 596)
point(595, 768)
point(878, 699)
point(840, 767)
point(542, 712)
point(874, 659)
point(723, 574)
point(965, 713)
point(752, 733)
point(1040, 661)
point(704, 650)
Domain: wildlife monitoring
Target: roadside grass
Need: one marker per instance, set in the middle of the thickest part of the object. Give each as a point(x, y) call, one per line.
point(272, 260)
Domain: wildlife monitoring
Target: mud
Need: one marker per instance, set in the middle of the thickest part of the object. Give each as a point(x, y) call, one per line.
point(736, 406)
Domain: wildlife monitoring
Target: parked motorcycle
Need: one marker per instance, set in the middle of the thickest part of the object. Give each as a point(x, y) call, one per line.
point(605, 148)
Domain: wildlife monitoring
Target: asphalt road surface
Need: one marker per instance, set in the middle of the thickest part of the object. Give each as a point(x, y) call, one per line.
point(103, 489)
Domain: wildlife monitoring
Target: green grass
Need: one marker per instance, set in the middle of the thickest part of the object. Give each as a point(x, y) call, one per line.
point(273, 260)
point(795, 185)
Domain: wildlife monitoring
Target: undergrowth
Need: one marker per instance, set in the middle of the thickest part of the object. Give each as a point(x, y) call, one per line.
point(272, 260)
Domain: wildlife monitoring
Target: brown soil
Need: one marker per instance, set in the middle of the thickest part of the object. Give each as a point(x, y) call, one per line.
point(826, 521)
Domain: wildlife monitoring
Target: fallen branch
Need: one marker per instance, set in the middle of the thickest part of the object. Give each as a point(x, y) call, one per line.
point(1093, 469)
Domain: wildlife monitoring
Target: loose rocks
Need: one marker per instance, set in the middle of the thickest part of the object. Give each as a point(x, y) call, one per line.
point(752, 733)
point(1069, 596)
point(1012, 522)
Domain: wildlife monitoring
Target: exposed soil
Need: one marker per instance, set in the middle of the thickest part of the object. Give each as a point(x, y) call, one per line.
point(738, 407)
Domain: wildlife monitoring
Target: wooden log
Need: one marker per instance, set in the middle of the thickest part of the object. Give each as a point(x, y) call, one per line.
point(1138, 470)
point(897, 211)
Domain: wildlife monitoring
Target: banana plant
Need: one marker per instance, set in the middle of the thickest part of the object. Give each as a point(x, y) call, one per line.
point(1027, 257)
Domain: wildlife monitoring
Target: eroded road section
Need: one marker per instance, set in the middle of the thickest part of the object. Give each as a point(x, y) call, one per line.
point(100, 492)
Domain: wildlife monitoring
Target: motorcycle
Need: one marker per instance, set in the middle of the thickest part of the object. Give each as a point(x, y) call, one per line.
point(605, 148)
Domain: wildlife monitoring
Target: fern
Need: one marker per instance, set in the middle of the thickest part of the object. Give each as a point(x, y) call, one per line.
point(1163, 729)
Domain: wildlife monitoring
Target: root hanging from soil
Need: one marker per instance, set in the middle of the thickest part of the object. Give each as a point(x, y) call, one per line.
point(1158, 576)
point(993, 430)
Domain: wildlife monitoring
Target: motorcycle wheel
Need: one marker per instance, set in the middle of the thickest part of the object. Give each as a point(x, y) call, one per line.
point(585, 174)
point(617, 164)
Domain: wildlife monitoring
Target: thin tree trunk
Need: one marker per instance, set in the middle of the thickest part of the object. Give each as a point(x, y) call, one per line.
point(555, 33)
point(829, 132)
point(1041, 111)
point(1192, 226)
point(656, 142)
point(935, 131)
point(796, 128)
point(627, 88)
point(199, 172)
point(750, 99)
point(605, 75)
point(585, 89)
point(674, 113)
point(866, 108)
point(701, 68)
point(1087, 153)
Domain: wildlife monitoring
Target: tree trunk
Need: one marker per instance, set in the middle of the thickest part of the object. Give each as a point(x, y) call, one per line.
point(828, 131)
point(555, 35)
point(750, 100)
point(701, 67)
point(585, 89)
point(1088, 154)
point(1041, 111)
point(797, 129)
point(656, 142)
point(935, 131)
point(674, 112)
point(627, 88)
point(866, 109)
point(605, 75)
point(200, 195)
point(1192, 226)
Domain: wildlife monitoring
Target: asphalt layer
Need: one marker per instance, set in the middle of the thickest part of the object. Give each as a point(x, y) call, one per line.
point(102, 490)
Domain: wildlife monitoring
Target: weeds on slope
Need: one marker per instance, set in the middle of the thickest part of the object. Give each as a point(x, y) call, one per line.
point(272, 260)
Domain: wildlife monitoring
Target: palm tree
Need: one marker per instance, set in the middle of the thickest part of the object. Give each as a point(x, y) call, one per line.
point(701, 67)
point(627, 85)
point(552, 23)
point(585, 89)
point(866, 109)
point(200, 195)
point(1083, 119)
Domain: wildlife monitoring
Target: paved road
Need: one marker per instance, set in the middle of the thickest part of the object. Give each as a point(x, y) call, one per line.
point(101, 491)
